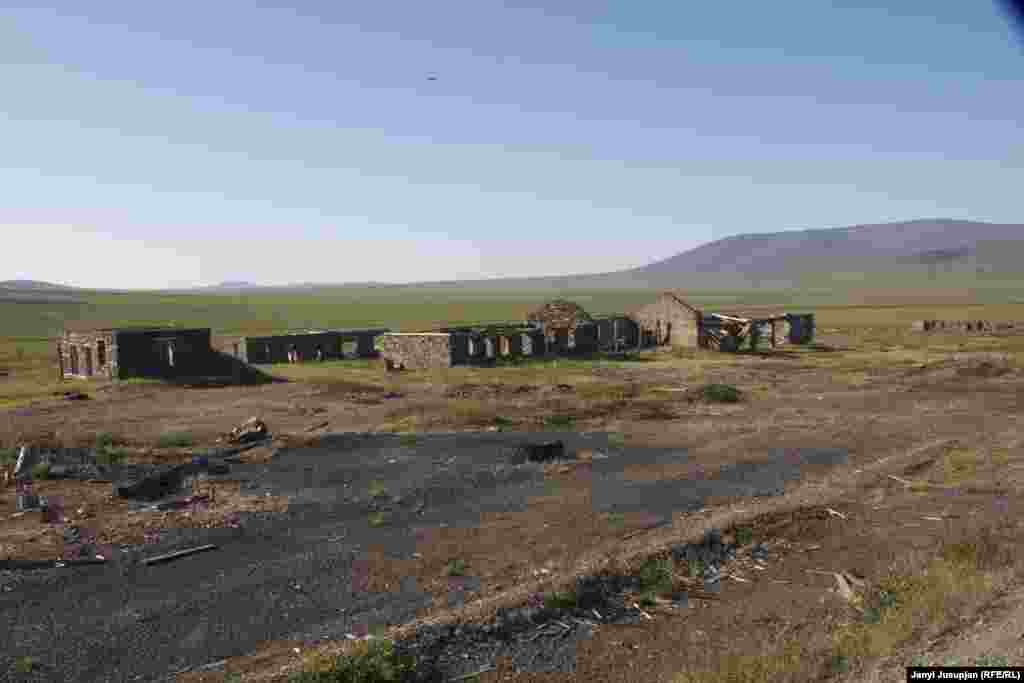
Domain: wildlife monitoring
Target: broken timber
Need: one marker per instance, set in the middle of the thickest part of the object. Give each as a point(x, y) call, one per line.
point(177, 554)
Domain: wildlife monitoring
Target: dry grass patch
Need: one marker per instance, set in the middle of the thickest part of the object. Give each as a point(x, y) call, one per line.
point(921, 596)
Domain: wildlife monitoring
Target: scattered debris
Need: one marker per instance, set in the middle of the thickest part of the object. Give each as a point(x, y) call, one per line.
point(72, 395)
point(540, 452)
point(177, 554)
point(180, 503)
point(29, 565)
point(319, 425)
point(645, 614)
point(846, 592)
point(160, 483)
point(835, 513)
point(905, 482)
point(474, 674)
point(253, 429)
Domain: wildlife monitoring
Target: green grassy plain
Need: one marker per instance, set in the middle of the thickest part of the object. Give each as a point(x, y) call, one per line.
point(846, 301)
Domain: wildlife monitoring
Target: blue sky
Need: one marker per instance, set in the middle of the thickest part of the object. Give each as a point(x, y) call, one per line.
point(173, 144)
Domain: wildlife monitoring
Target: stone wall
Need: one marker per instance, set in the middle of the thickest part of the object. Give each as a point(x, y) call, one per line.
point(165, 353)
point(422, 351)
point(274, 348)
point(960, 326)
point(157, 353)
point(800, 328)
point(89, 354)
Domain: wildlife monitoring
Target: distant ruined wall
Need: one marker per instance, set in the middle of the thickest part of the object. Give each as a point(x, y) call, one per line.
point(958, 326)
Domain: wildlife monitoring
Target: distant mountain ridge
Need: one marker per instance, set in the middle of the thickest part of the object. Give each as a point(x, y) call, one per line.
point(751, 259)
point(34, 286)
point(886, 246)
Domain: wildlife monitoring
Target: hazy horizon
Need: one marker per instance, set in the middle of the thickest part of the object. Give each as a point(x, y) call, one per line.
point(186, 145)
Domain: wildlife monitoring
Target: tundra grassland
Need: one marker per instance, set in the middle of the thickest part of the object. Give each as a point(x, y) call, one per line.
point(916, 417)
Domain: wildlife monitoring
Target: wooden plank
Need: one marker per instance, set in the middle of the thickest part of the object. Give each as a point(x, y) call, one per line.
point(177, 554)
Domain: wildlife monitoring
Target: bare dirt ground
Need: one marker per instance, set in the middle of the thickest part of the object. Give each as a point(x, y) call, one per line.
point(932, 453)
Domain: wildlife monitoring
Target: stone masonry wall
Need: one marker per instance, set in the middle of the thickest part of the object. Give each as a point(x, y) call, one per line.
point(975, 326)
point(411, 351)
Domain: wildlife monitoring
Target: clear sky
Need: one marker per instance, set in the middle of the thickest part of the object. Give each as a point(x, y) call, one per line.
point(171, 144)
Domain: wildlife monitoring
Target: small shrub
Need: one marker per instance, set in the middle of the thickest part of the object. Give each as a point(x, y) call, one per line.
point(559, 601)
point(500, 421)
point(376, 489)
point(8, 456)
point(616, 519)
point(719, 393)
point(110, 456)
point(838, 664)
point(456, 567)
point(105, 440)
point(655, 575)
point(24, 665)
point(744, 536)
point(377, 519)
point(694, 568)
point(559, 420)
point(175, 440)
point(373, 661)
point(647, 600)
point(407, 439)
point(41, 471)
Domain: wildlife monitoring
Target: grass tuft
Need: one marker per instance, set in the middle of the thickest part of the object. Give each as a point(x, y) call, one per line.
point(373, 661)
point(655, 576)
point(718, 393)
point(41, 471)
point(559, 420)
point(456, 567)
point(175, 440)
point(561, 600)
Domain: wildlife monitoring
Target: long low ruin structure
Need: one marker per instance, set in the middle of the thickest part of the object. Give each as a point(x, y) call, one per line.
point(124, 352)
point(980, 326)
point(457, 346)
point(308, 345)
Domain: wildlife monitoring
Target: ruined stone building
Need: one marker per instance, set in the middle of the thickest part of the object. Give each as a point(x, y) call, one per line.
point(122, 352)
point(566, 326)
point(311, 345)
point(670, 321)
